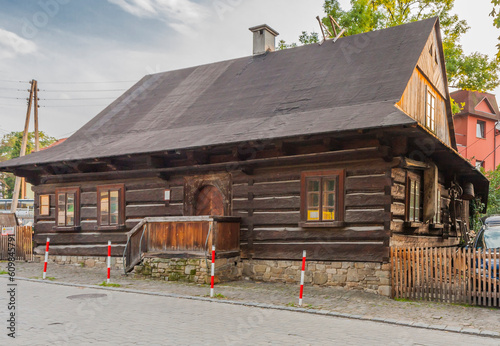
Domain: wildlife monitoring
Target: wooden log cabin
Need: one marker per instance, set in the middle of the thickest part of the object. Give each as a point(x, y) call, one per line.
point(341, 149)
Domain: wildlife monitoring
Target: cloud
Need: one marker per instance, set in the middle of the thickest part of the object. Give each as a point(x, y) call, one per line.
point(181, 15)
point(12, 45)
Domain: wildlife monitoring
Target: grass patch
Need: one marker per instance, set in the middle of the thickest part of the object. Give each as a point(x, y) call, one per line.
point(3, 272)
point(105, 284)
point(292, 305)
point(405, 300)
point(51, 278)
point(216, 296)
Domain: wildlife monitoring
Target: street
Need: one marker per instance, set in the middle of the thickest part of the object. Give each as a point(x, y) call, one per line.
point(60, 315)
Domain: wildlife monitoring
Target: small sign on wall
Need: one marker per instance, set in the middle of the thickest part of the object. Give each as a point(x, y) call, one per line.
point(167, 195)
point(8, 230)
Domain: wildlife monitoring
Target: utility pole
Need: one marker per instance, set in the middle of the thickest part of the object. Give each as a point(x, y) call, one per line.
point(24, 143)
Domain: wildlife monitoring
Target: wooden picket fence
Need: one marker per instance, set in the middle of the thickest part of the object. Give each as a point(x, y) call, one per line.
point(450, 275)
point(24, 244)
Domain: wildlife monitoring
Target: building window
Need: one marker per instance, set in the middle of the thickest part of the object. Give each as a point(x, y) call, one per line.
point(430, 113)
point(68, 207)
point(111, 205)
point(479, 164)
point(481, 129)
point(322, 196)
point(44, 205)
point(413, 195)
point(437, 216)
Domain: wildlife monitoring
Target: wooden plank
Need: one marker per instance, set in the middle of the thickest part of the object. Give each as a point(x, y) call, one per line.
point(81, 238)
point(398, 209)
point(367, 183)
point(367, 200)
point(88, 213)
point(288, 218)
point(344, 234)
point(286, 188)
point(141, 211)
point(367, 216)
point(155, 195)
point(292, 202)
point(398, 175)
point(319, 252)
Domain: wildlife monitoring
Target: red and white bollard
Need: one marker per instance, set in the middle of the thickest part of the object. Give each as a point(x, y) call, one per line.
point(46, 259)
point(212, 273)
point(302, 277)
point(109, 262)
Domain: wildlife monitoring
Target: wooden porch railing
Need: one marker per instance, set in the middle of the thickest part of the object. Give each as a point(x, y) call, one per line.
point(174, 236)
point(24, 244)
point(451, 275)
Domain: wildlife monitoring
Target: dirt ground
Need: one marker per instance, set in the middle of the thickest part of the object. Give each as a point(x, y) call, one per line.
point(323, 298)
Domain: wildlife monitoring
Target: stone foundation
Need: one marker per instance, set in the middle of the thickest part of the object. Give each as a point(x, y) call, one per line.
point(189, 269)
point(83, 261)
point(369, 277)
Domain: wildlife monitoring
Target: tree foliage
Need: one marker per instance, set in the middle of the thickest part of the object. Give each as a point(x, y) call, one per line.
point(10, 148)
point(495, 13)
point(494, 192)
point(471, 72)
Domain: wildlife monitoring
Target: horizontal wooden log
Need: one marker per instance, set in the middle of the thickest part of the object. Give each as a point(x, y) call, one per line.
point(130, 184)
point(398, 192)
point(367, 216)
point(88, 198)
point(367, 200)
point(154, 195)
point(89, 250)
point(287, 188)
point(397, 226)
point(398, 175)
point(291, 218)
point(322, 235)
point(46, 227)
point(292, 202)
point(367, 183)
point(398, 209)
point(142, 211)
point(319, 252)
point(80, 238)
point(88, 213)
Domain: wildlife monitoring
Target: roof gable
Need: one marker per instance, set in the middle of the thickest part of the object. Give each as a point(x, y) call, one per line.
point(485, 107)
point(352, 84)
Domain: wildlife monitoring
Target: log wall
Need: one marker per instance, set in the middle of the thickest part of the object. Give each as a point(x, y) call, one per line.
point(268, 201)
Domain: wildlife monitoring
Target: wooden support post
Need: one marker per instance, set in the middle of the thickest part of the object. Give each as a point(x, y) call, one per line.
point(37, 135)
point(24, 143)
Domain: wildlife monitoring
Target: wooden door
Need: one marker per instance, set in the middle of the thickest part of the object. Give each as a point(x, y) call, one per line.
point(209, 201)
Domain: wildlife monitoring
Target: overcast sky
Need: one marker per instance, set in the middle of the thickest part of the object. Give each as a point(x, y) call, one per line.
point(76, 48)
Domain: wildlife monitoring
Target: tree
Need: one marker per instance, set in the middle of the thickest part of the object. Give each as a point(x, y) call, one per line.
point(495, 13)
point(470, 72)
point(10, 148)
point(494, 192)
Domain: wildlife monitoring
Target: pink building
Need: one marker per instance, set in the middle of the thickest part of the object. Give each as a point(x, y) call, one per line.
point(476, 130)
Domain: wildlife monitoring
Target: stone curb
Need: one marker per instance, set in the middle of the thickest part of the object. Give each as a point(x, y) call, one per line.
point(469, 331)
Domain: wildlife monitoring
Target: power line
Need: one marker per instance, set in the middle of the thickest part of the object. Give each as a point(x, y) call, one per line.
point(73, 106)
point(108, 82)
point(477, 140)
point(78, 91)
point(83, 98)
point(12, 81)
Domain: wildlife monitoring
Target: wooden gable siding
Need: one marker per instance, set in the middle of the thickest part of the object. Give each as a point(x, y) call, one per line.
point(413, 103)
point(268, 202)
point(428, 74)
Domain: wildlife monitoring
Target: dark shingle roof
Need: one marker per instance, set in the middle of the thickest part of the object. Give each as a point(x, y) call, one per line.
point(352, 84)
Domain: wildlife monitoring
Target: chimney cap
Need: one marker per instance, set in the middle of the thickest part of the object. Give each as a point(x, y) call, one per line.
point(264, 27)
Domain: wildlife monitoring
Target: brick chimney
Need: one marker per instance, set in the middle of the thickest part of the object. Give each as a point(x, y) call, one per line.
point(263, 39)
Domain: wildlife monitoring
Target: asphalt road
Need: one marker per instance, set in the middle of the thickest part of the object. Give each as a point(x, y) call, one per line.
point(59, 315)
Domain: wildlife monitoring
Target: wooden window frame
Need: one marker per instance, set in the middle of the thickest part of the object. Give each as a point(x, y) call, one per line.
point(339, 175)
point(438, 216)
point(40, 205)
point(411, 176)
point(66, 190)
point(430, 110)
point(121, 206)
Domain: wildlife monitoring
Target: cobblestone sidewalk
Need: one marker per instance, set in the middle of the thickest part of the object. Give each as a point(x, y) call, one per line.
point(465, 318)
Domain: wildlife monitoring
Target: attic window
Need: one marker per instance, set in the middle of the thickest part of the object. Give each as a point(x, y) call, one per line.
point(431, 50)
point(430, 112)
